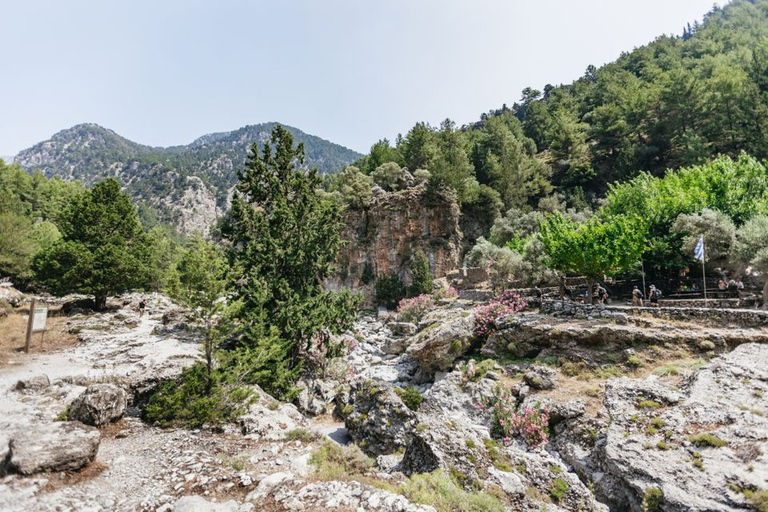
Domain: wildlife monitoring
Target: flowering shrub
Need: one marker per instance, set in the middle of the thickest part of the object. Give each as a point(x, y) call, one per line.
point(411, 310)
point(446, 293)
point(504, 304)
point(323, 348)
point(531, 424)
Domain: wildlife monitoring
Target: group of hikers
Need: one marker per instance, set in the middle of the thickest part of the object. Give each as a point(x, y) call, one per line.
point(654, 294)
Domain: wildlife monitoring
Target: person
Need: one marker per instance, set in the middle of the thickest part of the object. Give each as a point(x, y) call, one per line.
point(601, 294)
point(142, 307)
point(694, 288)
point(654, 294)
point(637, 297)
point(739, 284)
point(722, 285)
point(733, 288)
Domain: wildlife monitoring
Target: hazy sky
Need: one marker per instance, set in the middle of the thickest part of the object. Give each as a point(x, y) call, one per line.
point(164, 72)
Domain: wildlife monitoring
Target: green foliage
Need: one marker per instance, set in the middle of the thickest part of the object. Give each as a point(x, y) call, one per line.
point(751, 247)
point(283, 239)
point(757, 499)
point(558, 488)
point(102, 250)
point(440, 491)
point(421, 275)
point(595, 248)
point(410, 397)
point(335, 462)
point(707, 439)
point(652, 499)
point(300, 434)
point(197, 399)
point(718, 231)
point(390, 290)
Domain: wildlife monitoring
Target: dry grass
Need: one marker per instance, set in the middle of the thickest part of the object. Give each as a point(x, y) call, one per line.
point(70, 478)
point(13, 329)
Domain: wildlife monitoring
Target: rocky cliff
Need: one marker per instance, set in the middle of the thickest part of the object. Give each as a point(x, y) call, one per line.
point(383, 237)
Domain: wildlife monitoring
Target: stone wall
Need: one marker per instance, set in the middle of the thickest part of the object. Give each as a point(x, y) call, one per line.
point(717, 317)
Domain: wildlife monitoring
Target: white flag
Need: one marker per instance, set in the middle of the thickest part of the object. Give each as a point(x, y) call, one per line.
point(698, 252)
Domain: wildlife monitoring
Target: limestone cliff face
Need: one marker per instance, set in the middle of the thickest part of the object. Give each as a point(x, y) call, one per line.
point(383, 237)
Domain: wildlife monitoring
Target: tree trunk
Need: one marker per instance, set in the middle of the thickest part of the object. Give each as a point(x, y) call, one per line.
point(765, 295)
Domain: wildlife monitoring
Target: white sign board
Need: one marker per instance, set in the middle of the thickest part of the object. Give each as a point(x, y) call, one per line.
point(39, 320)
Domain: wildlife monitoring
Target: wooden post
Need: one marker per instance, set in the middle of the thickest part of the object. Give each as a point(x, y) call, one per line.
point(29, 324)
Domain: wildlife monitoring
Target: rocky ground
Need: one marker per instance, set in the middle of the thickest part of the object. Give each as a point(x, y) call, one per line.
point(644, 414)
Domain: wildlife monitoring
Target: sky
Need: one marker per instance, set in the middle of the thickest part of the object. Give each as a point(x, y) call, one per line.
point(164, 72)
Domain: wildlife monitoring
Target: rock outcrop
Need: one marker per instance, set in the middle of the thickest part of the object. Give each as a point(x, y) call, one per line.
point(693, 449)
point(99, 404)
point(60, 446)
point(383, 237)
point(33, 384)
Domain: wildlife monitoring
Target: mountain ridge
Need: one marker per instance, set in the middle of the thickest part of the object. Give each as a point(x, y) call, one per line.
point(188, 186)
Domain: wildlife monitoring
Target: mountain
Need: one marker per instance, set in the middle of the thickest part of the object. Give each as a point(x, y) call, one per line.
point(187, 186)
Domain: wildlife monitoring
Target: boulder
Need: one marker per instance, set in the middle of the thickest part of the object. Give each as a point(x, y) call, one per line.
point(33, 384)
point(269, 419)
point(60, 446)
point(99, 404)
point(376, 418)
point(315, 396)
point(445, 336)
point(403, 328)
point(541, 377)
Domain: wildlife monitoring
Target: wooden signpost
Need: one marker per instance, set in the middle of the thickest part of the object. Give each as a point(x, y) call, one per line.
point(38, 317)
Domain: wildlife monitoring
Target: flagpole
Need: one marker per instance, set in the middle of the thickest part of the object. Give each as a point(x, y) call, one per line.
point(698, 253)
point(704, 273)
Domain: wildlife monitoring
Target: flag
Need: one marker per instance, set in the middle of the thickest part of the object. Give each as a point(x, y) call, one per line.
point(698, 252)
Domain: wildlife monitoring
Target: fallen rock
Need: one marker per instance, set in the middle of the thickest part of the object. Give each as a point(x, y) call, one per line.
point(269, 419)
point(99, 404)
point(541, 377)
point(33, 384)
point(446, 335)
point(60, 446)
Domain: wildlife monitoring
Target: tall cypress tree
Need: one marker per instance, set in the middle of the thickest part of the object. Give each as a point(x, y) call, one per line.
point(283, 241)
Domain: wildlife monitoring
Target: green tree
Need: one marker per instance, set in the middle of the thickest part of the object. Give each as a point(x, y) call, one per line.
point(421, 275)
point(283, 239)
point(751, 248)
point(102, 250)
point(200, 283)
point(717, 229)
point(595, 248)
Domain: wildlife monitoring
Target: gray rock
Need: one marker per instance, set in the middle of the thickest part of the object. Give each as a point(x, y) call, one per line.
point(99, 404)
point(447, 336)
point(33, 384)
point(403, 328)
point(200, 504)
point(4, 452)
point(376, 418)
point(648, 442)
point(60, 446)
point(541, 377)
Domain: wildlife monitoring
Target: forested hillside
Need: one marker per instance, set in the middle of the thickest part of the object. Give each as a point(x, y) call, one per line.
point(678, 101)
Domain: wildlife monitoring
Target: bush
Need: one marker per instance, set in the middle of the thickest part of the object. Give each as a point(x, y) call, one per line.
point(389, 290)
point(411, 310)
point(300, 434)
point(708, 440)
point(193, 400)
point(335, 462)
point(558, 489)
point(410, 397)
point(652, 499)
point(486, 317)
point(531, 424)
point(440, 491)
point(421, 275)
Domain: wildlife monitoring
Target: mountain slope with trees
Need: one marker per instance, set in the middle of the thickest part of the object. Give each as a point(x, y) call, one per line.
point(168, 182)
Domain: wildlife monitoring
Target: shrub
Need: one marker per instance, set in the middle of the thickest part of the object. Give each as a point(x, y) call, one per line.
point(757, 499)
point(389, 290)
point(648, 404)
point(449, 293)
point(335, 462)
point(441, 491)
point(531, 424)
point(558, 489)
point(194, 400)
point(410, 397)
point(652, 499)
point(300, 434)
point(411, 310)
point(707, 440)
point(487, 316)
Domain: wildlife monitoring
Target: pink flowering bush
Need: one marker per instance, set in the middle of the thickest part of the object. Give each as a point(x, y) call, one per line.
point(323, 348)
point(411, 310)
point(505, 304)
point(531, 424)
